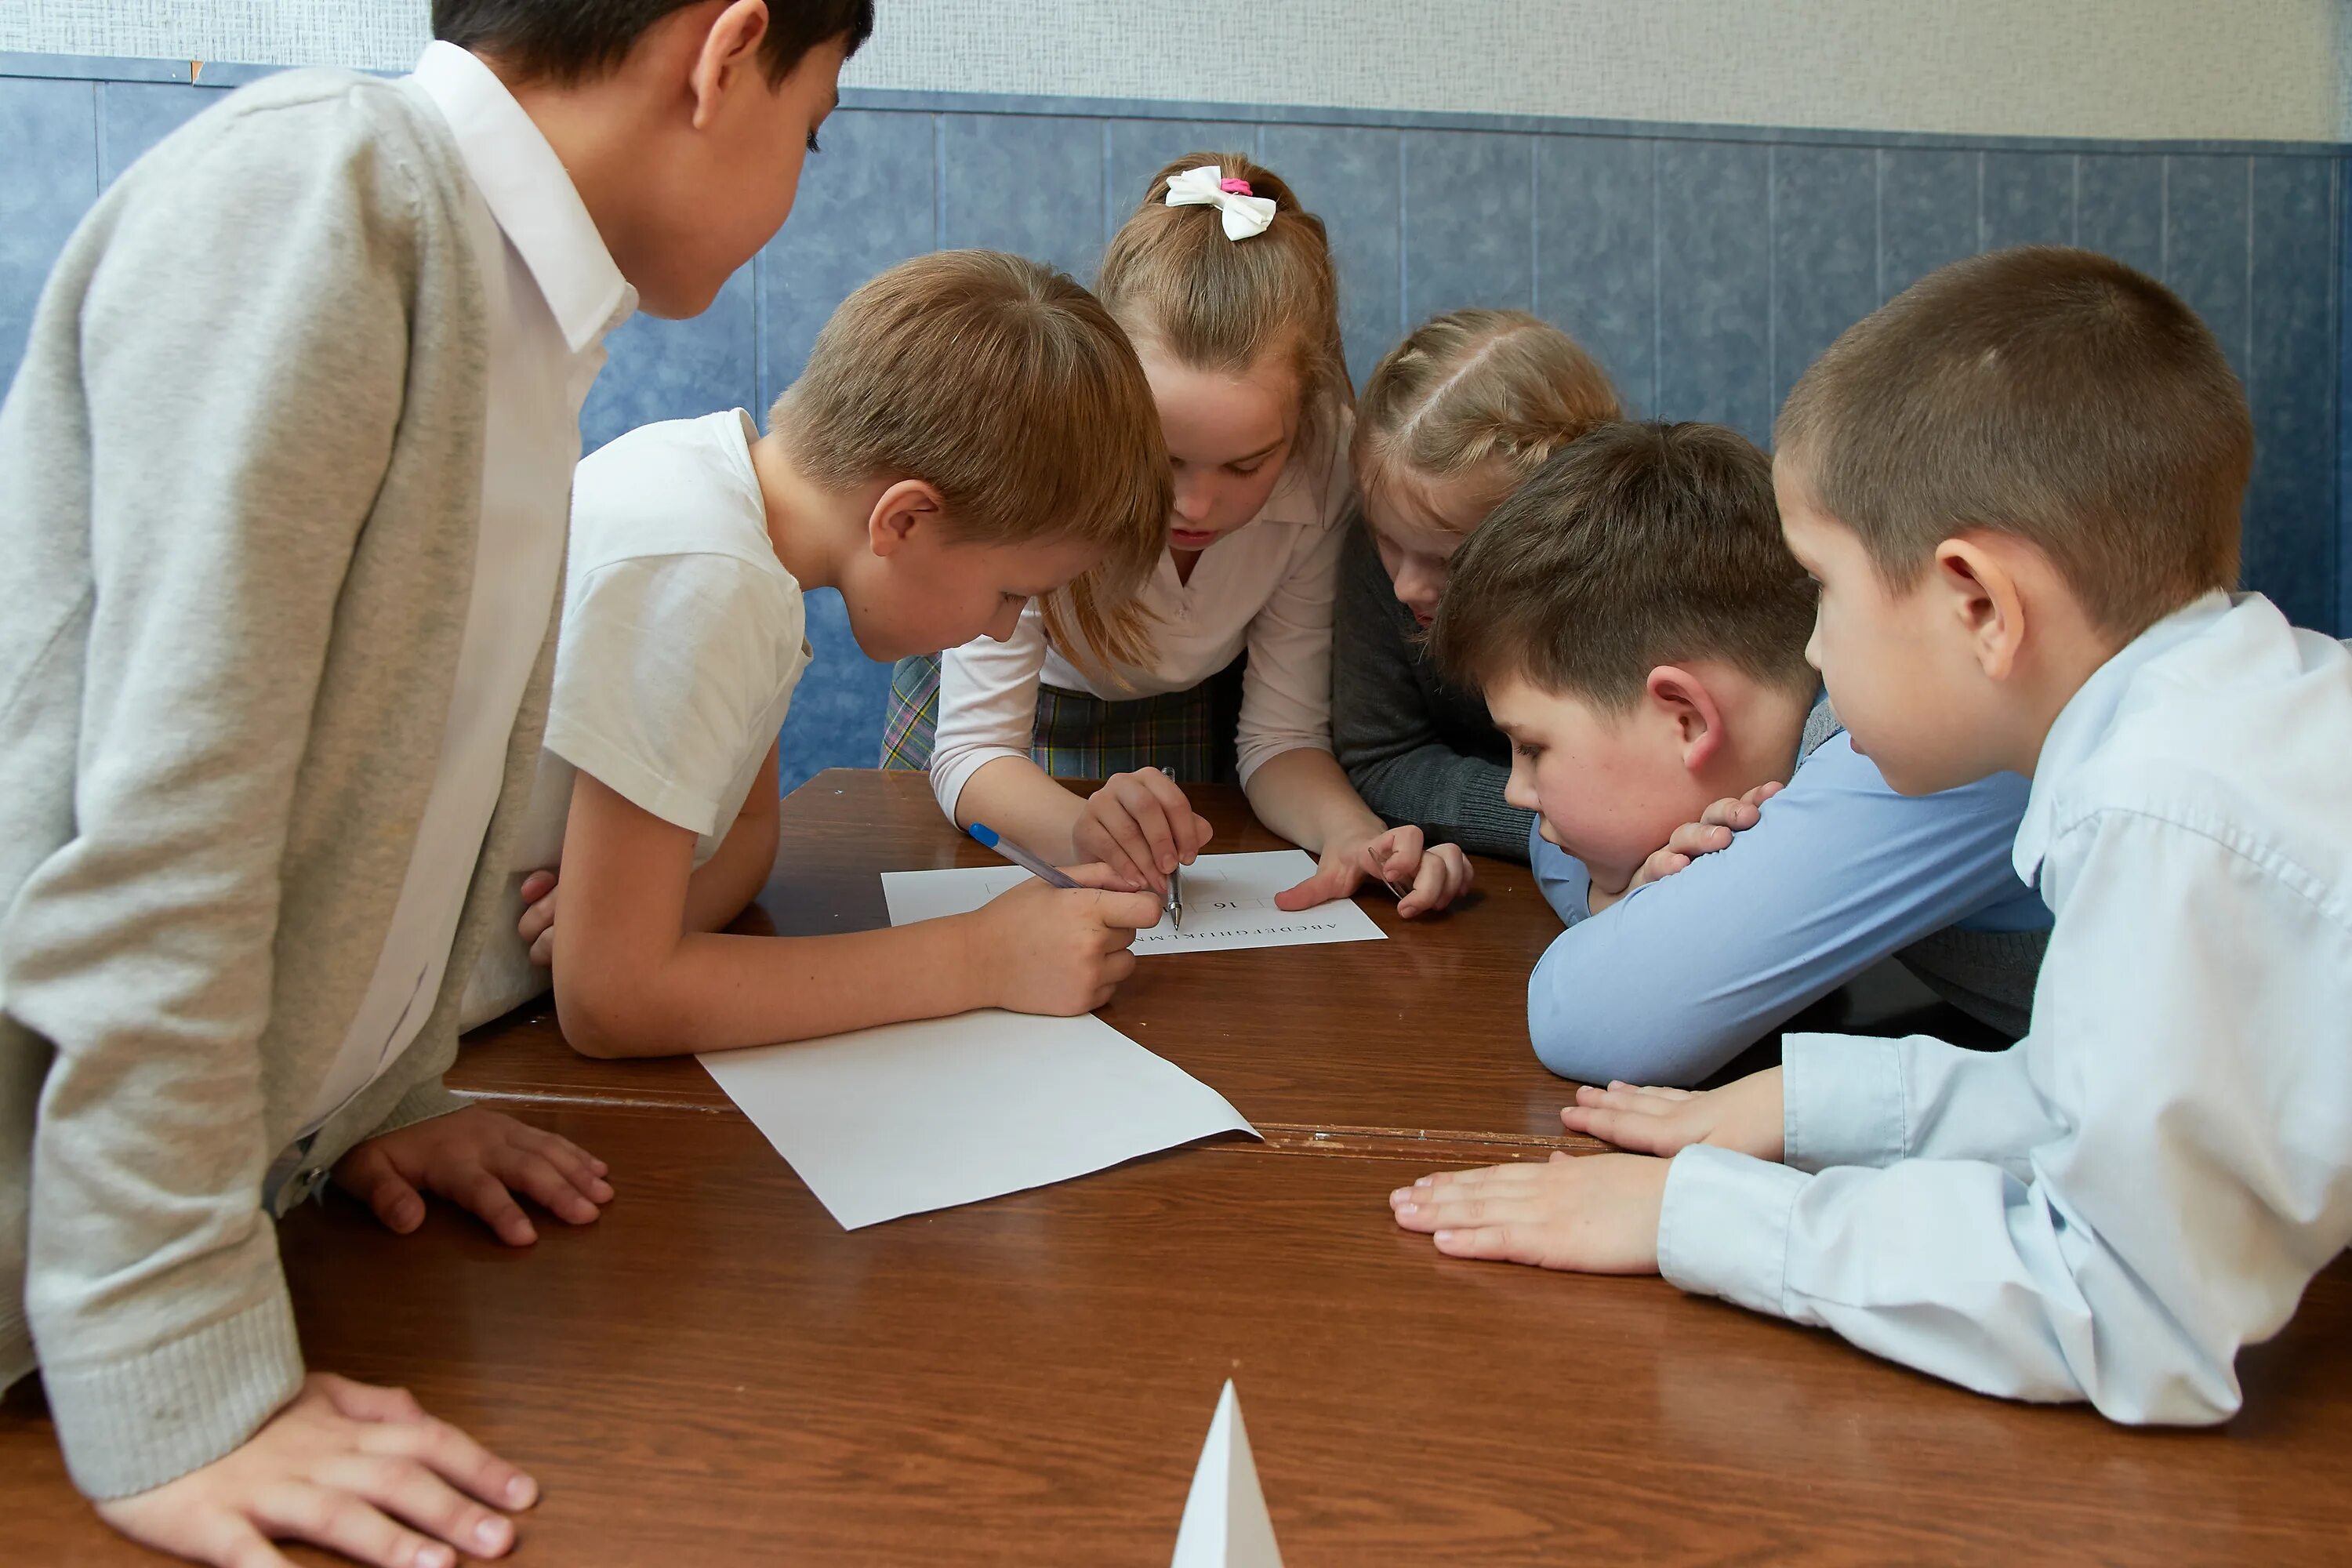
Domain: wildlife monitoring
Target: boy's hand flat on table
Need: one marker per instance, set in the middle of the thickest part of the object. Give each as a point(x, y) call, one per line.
point(1060, 950)
point(536, 926)
point(1596, 1214)
point(1426, 879)
point(478, 1160)
point(1140, 827)
point(1710, 835)
point(345, 1466)
point(1745, 1117)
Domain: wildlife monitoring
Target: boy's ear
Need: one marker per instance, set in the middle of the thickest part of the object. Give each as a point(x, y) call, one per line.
point(901, 508)
point(729, 56)
point(1683, 699)
point(1975, 588)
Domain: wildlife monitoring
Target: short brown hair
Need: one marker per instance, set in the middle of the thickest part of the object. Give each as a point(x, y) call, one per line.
point(1487, 393)
point(1175, 282)
point(571, 41)
point(2054, 395)
point(1009, 389)
point(1636, 545)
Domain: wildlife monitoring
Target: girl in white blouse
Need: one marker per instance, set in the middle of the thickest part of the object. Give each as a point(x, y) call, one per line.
point(1226, 285)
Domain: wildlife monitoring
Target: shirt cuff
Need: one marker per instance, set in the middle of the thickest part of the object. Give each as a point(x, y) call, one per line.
point(949, 775)
point(642, 786)
point(1842, 1101)
point(1724, 1228)
point(131, 1424)
point(1256, 754)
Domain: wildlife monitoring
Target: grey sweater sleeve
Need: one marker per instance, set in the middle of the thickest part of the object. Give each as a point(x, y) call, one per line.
point(234, 328)
point(1385, 731)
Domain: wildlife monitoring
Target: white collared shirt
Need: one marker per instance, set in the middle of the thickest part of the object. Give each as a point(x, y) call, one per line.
point(1267, 586)
point(552, 293)
point(2112, 1208)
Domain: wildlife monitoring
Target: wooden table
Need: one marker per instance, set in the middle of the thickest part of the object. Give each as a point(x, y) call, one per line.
point(716, 1373)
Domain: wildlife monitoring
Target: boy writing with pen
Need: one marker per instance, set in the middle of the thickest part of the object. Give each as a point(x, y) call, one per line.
point(921, 465)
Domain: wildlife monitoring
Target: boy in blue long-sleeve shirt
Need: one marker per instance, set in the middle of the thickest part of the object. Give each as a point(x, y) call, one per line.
point(2019, 486)
point(1638, 628)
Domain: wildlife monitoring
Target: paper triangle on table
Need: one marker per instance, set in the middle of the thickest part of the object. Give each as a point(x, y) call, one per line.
point(1225, 1522)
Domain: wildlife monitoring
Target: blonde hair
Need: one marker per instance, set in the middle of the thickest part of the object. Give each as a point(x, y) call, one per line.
point(1474, 392)
point(1010, 390)
point(1174, 280)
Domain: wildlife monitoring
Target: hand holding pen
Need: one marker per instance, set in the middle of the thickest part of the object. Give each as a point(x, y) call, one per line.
point(1059, 943)
point(1140, 826)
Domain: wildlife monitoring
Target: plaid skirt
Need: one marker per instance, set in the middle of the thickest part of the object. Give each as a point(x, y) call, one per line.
point(1188, 734)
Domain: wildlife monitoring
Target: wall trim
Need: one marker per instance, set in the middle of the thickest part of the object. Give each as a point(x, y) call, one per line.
point(209, 73)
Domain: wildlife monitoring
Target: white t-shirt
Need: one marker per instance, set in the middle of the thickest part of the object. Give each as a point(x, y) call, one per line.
point(683, 638)
point(1268, 586)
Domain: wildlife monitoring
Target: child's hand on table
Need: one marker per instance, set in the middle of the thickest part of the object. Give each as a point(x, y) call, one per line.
point(1597, 1214)
point(342, 1467)
point(1744, 1116)
point(536, 926)
point(1141, 827)
point(1037, 948)
point(473, 1157)
point(1712, 833)
point(1424, 879)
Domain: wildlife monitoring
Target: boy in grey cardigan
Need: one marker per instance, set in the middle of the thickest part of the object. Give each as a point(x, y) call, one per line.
point(283, 483)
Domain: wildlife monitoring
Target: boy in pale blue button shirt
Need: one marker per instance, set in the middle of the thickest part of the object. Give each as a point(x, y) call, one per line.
point(2018, 485)
point(1637, 628)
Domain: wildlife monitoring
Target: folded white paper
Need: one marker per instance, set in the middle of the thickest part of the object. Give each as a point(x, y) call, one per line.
point(1228, 903)
point(1225, 1524)
point(910, 1116)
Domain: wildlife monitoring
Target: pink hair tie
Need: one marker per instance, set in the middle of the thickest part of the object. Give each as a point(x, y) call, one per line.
point(1235, 187)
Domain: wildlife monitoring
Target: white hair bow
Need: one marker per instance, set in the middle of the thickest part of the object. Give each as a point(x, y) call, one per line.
point(1244, 214)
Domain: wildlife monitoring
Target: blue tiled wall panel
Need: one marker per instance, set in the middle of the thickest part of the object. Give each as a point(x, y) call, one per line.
point(1824, 252)
point(1351, 178)
point(1597, 254)
point(2205, 244)
point(1469, 222)
point(1928, 201)
point(132, 116)
point(2119, 207)
point(2343, 227)
point(2029, 199)
point(1703, 269)
point(2292, 540)
point(1025, 183)
point(865, 203)
point(1715, 271)
point(48, 135)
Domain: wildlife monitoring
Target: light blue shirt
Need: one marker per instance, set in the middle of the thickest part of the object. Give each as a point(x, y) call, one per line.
point(2147, 1182)
point(1673, 980)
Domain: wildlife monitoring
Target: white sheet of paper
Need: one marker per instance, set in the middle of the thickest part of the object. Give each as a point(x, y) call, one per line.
point(1228, 903)
point(910, 1116)
point(1225, 1522)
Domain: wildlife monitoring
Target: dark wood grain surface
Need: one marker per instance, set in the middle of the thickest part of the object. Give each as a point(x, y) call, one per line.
point(716, 1373)
point(1425, 1033)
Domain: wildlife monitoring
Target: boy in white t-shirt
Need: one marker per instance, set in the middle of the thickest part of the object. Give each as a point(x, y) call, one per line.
point(973, 432)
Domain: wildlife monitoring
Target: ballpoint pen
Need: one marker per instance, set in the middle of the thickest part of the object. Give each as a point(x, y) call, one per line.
point(992, 839)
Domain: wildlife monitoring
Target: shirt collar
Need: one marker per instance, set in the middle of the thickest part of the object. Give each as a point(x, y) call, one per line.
point(2089, 714)
point(529, 192)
